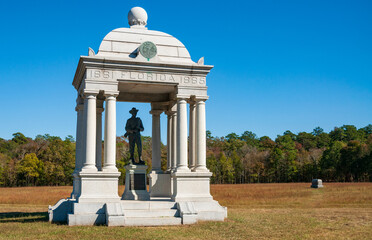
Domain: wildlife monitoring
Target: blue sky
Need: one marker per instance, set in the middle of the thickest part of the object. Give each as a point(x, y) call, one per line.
point(279, 65)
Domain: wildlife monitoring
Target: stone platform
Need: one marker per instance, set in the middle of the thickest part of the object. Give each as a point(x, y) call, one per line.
point(154, 212)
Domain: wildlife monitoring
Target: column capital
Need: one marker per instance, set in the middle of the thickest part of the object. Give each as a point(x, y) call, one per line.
point(90, 93)
point(170, 113)
point(191, 100)
point(180, 98)
point(201, 99)
point(111, 93)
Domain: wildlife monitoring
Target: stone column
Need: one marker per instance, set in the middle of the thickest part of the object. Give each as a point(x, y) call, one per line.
point(90, 135)
point(182, 136)
point(79, 135)
point(110, 133)
point(99, 135)
point(169, 142)
point(174, 141)
point(79, 147)
point(156, 140)
point(201, 143)
point(192, 136)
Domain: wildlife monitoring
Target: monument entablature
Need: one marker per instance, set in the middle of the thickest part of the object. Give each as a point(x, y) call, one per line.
point(140, 65)
point(98, 73)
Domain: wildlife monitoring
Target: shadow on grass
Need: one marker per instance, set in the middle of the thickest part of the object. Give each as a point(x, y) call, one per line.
point(24, 217)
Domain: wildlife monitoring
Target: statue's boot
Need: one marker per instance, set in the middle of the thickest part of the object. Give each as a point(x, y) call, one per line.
point(141, 162)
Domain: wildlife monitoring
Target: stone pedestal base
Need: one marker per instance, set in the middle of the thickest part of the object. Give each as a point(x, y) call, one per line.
point(99, 187)
point(92, 192)
point(160, 184)
point(191, 186)
point(135, 183)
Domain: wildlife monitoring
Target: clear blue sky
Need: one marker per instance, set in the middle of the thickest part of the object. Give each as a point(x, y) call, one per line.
point(279, 65)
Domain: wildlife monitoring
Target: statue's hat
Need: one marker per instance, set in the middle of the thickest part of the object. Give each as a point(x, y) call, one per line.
point(133, 110)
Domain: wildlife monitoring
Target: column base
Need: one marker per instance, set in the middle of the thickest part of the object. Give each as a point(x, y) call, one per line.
point(89, 169)
point(184, 169)
point(200, 169)
point(110, 169)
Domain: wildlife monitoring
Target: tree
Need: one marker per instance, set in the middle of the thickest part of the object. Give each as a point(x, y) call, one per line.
point(307, 140)
point(227, 169)
point(214, 167)
point(232, 136)
point(250, 138)
point(30, 168)
point(352, 161)
point(351, 133)
point(323, 140)
point(19, 138)
point(338, 134)
point(288, 166)
point(290, 134)
point(275, 158)
point(367, 130)
point(238, 167)
point(317, 131)
point(330, 161)
point(266, 143)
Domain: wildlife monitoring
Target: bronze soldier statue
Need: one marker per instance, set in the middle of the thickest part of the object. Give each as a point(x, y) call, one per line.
point(133, 127)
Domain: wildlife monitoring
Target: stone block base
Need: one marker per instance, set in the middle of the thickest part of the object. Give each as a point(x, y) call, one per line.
point(191, 212)
point(98, 187)
point(86, 219)
point(114, 214)
point(59, 212)
point(160, 184)
point(191, 186)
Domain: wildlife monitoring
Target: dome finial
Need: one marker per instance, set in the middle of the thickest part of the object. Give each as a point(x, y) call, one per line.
point(137, 16)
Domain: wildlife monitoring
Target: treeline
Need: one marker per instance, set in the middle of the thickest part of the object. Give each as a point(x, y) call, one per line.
point(344, 154)
point(50, 161)
point(45, 160)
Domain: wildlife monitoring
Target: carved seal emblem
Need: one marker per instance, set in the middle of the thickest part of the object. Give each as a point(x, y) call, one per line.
point(148, 50)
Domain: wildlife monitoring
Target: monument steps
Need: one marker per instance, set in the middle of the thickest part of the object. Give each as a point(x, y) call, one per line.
point(156, 212)
point(151, 213)
point(148, 205)
point(151, 221)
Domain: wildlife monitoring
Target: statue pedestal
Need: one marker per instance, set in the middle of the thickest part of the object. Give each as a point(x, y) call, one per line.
point(135, 183)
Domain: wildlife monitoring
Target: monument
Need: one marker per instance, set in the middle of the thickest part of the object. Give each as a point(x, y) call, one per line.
point(316, 183)
point(140, 65)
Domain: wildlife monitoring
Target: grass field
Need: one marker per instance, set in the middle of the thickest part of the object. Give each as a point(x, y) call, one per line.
point(255, 211)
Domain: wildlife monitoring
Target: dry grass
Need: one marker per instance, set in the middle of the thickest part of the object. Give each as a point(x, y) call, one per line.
point(256, 211)
point(294, 195)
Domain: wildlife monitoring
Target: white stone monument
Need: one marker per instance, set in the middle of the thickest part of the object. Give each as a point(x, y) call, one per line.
point(140, 65)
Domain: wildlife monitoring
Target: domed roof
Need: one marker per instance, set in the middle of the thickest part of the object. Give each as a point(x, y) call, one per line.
point(125, 42)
